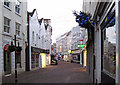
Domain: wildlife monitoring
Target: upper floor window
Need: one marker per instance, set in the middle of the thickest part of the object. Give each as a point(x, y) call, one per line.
point(33, 36)
point(7, 3)
point(18, 29)
point(17, 7)
point(6, 25)
point(37, 38)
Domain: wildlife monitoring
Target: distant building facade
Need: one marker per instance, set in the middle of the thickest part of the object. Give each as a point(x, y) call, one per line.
point(67, 44)
point(61, 46)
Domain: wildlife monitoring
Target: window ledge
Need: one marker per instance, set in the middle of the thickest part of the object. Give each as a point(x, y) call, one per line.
point(17, 14)
point(6, 34)
point(19, 37)
point(7, 7)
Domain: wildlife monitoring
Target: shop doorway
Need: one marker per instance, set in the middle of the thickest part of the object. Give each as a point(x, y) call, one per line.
point(7, 60)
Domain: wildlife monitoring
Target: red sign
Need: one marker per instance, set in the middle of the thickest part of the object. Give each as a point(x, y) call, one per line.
point(52, 48)
point(81, 39)
point(6, 47)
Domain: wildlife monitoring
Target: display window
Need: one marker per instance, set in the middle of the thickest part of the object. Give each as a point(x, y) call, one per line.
point(35, 60)
point(109, 47)
point(7, 60)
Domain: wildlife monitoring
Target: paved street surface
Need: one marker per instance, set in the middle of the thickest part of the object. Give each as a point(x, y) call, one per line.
point(64, 72)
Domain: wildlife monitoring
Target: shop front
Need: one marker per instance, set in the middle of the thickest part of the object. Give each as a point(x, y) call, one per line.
point(45, 58)
point(109, 47)
point(84, 56)
point(48, 59)
point(35, 55)
point(7, 60)
point(75, 56)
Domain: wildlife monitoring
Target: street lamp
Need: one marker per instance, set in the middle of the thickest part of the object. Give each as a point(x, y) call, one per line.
point(16, 49)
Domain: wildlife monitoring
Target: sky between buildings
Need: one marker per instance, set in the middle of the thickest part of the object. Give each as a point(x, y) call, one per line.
point(60, 13)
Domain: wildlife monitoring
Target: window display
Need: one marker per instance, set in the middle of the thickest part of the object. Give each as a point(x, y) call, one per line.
point(37, 60)
point(34, 60)
point(109, 52)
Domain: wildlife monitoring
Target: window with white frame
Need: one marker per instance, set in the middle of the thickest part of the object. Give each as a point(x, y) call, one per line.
point(17, 7)
point(17, 29)
point(6, 25)
point(7, 3)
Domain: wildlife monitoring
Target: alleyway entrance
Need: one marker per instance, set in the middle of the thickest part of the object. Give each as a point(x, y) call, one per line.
point(64, 72)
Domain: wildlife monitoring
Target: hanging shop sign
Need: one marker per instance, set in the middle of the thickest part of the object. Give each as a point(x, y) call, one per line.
point(81, 45)
point(81, 39)
point(6, 47)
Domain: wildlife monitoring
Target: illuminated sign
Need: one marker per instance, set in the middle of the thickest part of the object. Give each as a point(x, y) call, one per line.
point(69, 51)
point(82, 45)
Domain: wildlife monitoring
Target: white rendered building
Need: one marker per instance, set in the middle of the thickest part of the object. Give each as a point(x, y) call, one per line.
point(13, 20)
point(39, 33)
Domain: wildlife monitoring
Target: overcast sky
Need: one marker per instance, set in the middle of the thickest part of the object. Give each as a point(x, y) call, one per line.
point(60, 13)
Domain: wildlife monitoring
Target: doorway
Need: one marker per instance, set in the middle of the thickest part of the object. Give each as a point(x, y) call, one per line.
point(7, 60)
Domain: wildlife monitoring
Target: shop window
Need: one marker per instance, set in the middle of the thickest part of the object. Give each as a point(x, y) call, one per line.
point(7, 60)
point(37, 60)
point(34, 60)
point(109, 46)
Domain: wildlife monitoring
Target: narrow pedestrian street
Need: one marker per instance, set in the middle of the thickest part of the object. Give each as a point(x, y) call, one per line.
point(60, 42)
point(64, 72)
